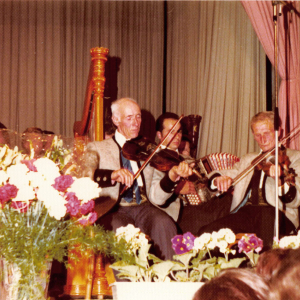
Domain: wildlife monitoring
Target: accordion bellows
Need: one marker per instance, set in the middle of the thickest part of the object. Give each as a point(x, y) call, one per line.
point(218, 161)
point(207, 164)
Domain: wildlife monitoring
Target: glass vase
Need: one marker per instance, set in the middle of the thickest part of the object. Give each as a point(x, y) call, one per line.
point(14, 286)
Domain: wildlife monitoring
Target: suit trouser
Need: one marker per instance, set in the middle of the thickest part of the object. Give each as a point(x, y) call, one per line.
point(193, 217)
point(253, 219)
point(152, 221)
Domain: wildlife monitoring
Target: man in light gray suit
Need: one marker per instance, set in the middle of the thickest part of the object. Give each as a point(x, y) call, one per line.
point(253, 203)
point(114, 171)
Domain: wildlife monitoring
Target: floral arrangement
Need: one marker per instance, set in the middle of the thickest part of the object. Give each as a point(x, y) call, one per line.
point(39, 208)
point(193, 260)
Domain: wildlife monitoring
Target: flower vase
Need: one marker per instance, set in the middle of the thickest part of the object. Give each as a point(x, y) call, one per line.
point(15, 286)
point(155, 290)
point(87, 272)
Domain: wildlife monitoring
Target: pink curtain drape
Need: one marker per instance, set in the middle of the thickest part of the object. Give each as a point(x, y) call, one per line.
point(261, 16)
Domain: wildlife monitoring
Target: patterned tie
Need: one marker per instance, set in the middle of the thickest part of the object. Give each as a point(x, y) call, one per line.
point(134, 189)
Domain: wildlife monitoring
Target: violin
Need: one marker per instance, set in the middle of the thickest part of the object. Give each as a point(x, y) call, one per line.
point(140, 148)
point(153, 152)
point(287, 174)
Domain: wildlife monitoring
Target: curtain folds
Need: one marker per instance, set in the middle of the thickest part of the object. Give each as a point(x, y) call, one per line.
point(261, 15)
point(200, 57)
point(217, 71)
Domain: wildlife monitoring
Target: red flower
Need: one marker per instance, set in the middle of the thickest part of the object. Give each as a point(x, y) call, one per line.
point(87, 207)
point(63, 182)
point(73, 205)
point(7, 192)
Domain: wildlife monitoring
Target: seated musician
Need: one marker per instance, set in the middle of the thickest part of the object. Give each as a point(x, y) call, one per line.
point(253, 204)
point(189, 217)
point(112, 172)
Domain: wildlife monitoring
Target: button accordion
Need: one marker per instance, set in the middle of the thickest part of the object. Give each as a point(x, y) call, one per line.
point(207, 164)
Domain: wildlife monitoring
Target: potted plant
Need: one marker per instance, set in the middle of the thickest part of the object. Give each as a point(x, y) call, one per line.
point(193, 263)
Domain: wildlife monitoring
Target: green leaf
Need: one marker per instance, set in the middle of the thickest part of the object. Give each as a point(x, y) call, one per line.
point(185, 257)
point(161, 270)
point(233, 263)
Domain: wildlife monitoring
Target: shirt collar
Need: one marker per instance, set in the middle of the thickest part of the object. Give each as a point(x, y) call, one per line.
point(165, 147)
point(120, 138)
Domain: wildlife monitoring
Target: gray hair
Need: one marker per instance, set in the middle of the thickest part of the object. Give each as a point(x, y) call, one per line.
point(115, 106)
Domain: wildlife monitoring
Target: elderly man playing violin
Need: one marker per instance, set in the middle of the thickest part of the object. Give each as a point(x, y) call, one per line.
point(253, 204)
point(113, 171)
point(189, 217)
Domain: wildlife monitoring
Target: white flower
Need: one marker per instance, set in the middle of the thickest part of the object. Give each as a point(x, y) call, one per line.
point(25, 193)
point(292, 241)
point(3, 177)
point(36, 180)
point(17, 175)
point(201, 242)
point(132, 235)
point(222, 245)
point(85, 189)
point(212, 244)
point(53, 201)
point(47, 168)
point(227, 234)
point(130, 231)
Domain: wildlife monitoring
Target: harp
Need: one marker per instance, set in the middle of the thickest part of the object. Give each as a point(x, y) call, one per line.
point(91, 123)
point(88, 277)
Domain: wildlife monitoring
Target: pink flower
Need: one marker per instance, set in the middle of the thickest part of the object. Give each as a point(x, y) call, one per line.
point(188, 240)
point(29, 164)
point(63, 182)
point(180, 248)
point(7, 192)
point(87, 207)
point(93, 217)
point(250, 242)
point(89, 219)
point(73, 205)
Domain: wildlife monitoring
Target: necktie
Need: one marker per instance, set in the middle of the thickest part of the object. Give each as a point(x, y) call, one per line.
point(256, 197)
point(134, 189)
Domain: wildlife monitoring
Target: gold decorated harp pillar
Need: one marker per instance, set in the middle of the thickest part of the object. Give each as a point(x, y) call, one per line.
point(92, 123)
point(86, 278)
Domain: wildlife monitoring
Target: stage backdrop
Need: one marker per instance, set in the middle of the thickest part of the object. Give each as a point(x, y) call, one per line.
point(189, 57)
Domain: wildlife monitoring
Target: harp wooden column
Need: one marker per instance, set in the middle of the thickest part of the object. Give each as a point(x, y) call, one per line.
point(98, 84)
point(86, 278)
point(93, 104)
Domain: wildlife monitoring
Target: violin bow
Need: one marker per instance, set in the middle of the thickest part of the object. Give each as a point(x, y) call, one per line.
point(137, 174)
